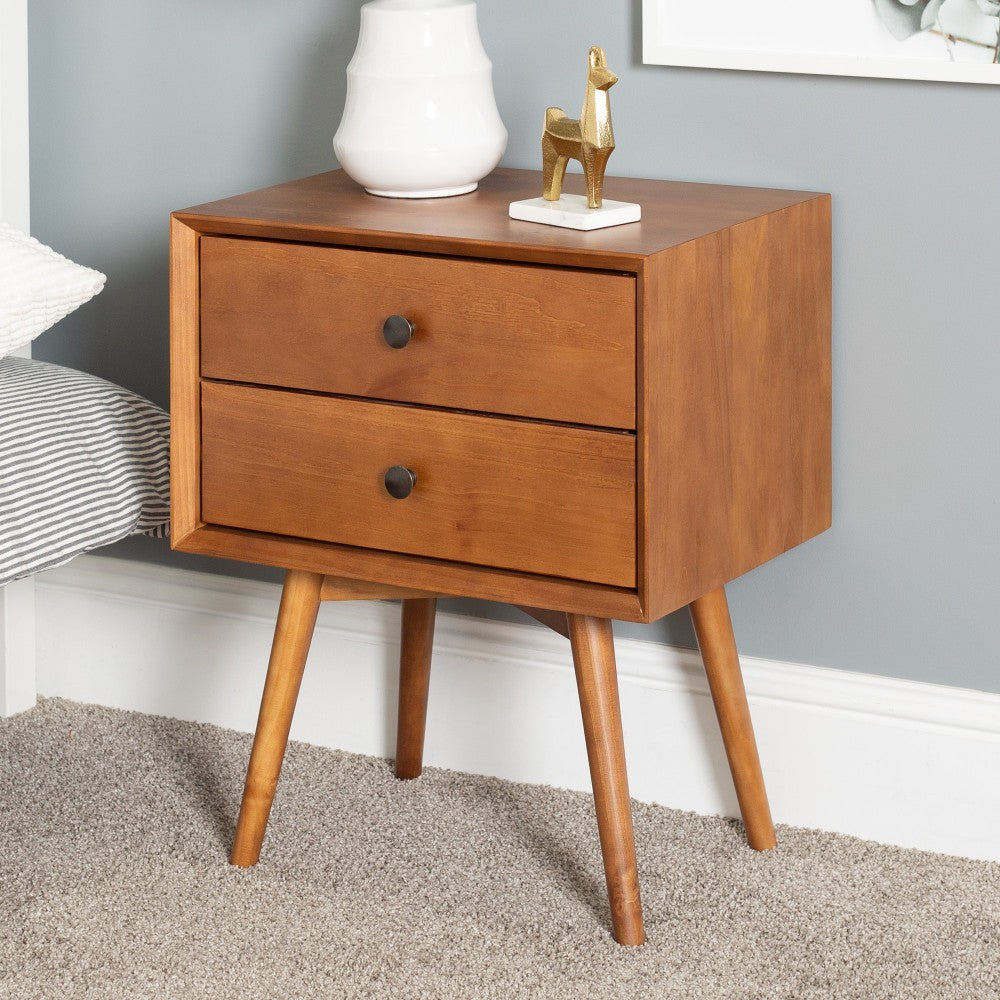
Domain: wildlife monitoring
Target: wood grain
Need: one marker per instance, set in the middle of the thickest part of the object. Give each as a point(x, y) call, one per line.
point(555, 620)
point(732, 368)
point(705, 328)
point(414, 684)
point(339, 588)
point(292, 637)
point(593, 648)
point(735, 402)
point(185, 402)
point(432, 575)
point(714, 628)
point(331, 209)
point(312, 467)
point(549, 343)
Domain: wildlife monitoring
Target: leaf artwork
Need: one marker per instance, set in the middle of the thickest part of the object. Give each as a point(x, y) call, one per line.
point(975, 22)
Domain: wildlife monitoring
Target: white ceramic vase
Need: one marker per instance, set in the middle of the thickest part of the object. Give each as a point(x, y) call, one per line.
point(420, 120)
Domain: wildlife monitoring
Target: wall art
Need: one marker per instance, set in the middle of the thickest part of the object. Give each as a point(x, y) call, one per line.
point(951, 40)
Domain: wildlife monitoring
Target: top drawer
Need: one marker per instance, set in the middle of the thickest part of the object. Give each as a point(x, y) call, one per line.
point(542, 342)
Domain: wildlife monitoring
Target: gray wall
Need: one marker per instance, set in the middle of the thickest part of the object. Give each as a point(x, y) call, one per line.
point(145, 106)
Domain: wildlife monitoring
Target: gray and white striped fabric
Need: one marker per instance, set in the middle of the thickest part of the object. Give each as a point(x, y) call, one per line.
point(82, 463)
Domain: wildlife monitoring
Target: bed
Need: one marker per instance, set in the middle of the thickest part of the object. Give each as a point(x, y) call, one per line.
point(83, 462)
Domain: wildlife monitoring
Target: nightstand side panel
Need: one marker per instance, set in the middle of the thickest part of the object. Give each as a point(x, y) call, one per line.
point(734, 427)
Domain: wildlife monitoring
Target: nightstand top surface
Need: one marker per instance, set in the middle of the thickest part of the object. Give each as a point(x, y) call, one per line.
point(331, 208)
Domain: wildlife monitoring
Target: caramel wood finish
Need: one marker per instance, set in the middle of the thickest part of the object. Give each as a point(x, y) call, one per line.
point(722, 665)
point(337, 588)
point(714, 496)
point(555, 620)
point(312, 467)
point(185, 397)
point(548, 343)
point(736, 392)
point(605, 424)
point(331, 209)
point(414, 684)
point(597, 681)
point(292, 637)
point(431, 575)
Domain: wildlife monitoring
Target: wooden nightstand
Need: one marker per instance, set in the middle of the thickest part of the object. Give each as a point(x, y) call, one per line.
point(418, 398)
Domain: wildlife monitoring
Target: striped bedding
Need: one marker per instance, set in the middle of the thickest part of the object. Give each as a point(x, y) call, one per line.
point(82, 463)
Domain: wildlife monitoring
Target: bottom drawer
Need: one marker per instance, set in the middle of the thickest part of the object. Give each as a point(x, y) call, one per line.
point(511, 494)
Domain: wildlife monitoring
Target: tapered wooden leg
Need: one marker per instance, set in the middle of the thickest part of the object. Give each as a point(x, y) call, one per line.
point(597, 681)
point(292, 636)
point(722, 665)
point(414, 684)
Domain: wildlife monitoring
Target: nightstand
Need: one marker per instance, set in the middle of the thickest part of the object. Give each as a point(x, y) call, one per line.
point(409, 399)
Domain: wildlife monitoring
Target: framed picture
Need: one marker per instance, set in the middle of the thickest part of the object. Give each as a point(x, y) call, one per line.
point(952, 40)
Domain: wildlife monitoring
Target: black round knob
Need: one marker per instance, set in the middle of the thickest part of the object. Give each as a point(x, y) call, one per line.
point(399, 481)
point(397, 331)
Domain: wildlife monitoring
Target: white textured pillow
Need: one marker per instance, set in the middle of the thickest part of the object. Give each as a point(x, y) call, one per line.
point(37, 288)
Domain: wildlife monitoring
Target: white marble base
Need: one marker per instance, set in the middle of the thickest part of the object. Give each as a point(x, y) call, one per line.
point(571, 212)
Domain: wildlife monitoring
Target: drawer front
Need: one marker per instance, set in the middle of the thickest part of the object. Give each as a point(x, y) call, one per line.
point(553, 500)
point(550, 343)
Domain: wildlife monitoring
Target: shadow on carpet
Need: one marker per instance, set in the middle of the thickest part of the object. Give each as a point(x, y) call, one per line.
point(114, 882)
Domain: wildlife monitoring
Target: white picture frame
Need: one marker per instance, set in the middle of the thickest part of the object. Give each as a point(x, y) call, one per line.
point(849, 38)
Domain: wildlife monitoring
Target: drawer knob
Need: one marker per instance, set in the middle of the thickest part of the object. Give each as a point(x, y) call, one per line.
point(397, 331)
point(399, 481)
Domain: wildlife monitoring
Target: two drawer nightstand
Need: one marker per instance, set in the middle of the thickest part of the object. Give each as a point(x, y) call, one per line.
point(409, 399)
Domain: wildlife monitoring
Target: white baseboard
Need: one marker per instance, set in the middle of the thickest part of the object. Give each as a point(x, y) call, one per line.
point(17, 647)
point(893, 761)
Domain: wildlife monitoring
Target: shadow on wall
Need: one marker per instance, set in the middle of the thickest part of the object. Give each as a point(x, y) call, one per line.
point(257, 102)
point(636, 31)
point(122, 335)
point(323, 91)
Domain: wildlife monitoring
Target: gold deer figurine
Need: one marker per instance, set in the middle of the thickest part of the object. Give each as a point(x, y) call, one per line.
point(590, 140)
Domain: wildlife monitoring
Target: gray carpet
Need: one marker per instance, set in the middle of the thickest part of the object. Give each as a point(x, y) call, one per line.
point(114, 829)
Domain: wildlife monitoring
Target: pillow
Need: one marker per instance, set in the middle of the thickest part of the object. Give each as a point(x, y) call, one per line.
point(82, 463)
point(38, 287)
